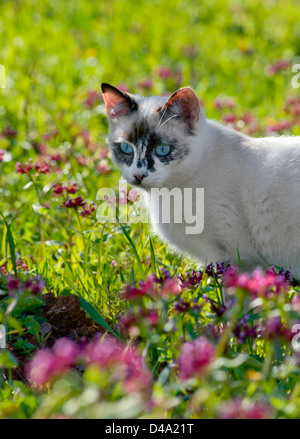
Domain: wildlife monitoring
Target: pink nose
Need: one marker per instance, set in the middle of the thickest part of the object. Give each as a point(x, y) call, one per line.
point(139, 177)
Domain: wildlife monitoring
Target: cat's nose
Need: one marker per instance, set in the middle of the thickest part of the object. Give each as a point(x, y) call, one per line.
point(139, 177)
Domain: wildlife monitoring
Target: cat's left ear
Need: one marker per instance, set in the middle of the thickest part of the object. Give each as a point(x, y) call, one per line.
point(117, 103)
point(184, 104)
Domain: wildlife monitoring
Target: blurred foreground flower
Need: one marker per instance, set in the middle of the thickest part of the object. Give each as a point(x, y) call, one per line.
point(122, 364)
point(195, 357)
point(244, 409)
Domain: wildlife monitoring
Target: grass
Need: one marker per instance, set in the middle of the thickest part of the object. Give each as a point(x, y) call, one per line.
point(56, 54)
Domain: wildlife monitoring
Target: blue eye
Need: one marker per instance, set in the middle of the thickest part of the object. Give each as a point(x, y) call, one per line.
point(126, 148)
point(162, 150)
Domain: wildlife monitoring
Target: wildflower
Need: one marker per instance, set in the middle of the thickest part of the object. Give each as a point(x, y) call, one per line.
point(88, 209)
point(24, 168)
point(152, 318)
point(224, 102)
point(48, 364)
point(229, 118)
point(244, 409)
point(170, 286)
point(192, 278)
point(103, 167)
point(22, 264)
point(181, 306)
point(195, 357)
point(215, 307)
point(35, 286)
point(9, 132)
point(55, 157)
point(164, 72)
point(145, 83)
point(3, 268)
point(94, 97)
point(243, 331)
point(258, 284)
point(114, 263)
point(1, 154)
point(74, 203)
point(13, 285)
point(274, 328)
point(209, 270)
point(123, 87)
point(58, 188)
point(279, 126)
point(278, 66)
point(71, 189)
point(43, 168)
point(124, 363)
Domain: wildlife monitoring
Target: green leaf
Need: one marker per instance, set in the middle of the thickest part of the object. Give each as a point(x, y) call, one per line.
point(11, 243)
point(94, 314)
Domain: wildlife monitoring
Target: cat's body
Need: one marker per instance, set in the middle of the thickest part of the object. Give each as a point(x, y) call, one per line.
point(251, 186)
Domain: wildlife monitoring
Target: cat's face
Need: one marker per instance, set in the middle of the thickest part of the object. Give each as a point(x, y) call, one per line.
point(151, 138)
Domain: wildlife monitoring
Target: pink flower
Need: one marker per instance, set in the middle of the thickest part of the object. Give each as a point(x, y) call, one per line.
point(145, 83)
point(170, 286)
point(229, 118)
point(48, 364)
point(258, 284)
point(224, 102)
point(278, 66)
point(74, 203)
point(164, 72)
point(280, 126)
point(94, 97)
point(124, 363)
point(87, 210)
point(1, 154)
point(195, 357)
point(71, 189)
point(123, 87)
point(103, 167)
point(242, 409)
point(57, 189)
point(42, 368)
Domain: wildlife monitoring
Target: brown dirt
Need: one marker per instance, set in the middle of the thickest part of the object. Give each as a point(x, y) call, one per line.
point(66, 318)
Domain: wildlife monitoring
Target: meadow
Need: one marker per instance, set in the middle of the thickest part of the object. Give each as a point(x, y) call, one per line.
point(104, 320)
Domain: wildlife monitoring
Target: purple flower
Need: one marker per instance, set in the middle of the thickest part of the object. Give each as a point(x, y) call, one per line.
point(274, 328)
point(9, 132)
point(74, 203)
point(192, 278)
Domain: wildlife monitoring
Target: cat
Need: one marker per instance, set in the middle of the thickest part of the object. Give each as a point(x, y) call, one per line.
point(251, 185)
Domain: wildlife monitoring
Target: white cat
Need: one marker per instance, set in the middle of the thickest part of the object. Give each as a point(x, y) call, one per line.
point(251, 185)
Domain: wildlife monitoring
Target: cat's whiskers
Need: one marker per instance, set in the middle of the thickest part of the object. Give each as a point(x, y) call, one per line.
point(174, 115)
point(162, 116)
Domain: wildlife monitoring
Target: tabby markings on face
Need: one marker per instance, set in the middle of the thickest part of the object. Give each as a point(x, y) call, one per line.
point(150, 145)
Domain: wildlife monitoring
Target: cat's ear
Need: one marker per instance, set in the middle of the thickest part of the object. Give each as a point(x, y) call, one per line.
point(117, 103)
point(184, 104)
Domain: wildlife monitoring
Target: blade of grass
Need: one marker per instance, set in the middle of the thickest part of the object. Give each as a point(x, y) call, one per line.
point(11, 243)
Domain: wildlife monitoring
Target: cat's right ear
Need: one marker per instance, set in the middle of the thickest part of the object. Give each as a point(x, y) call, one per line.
point(117, 103)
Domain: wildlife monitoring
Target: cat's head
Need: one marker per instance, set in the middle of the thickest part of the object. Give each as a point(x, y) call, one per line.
point(152, 139)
